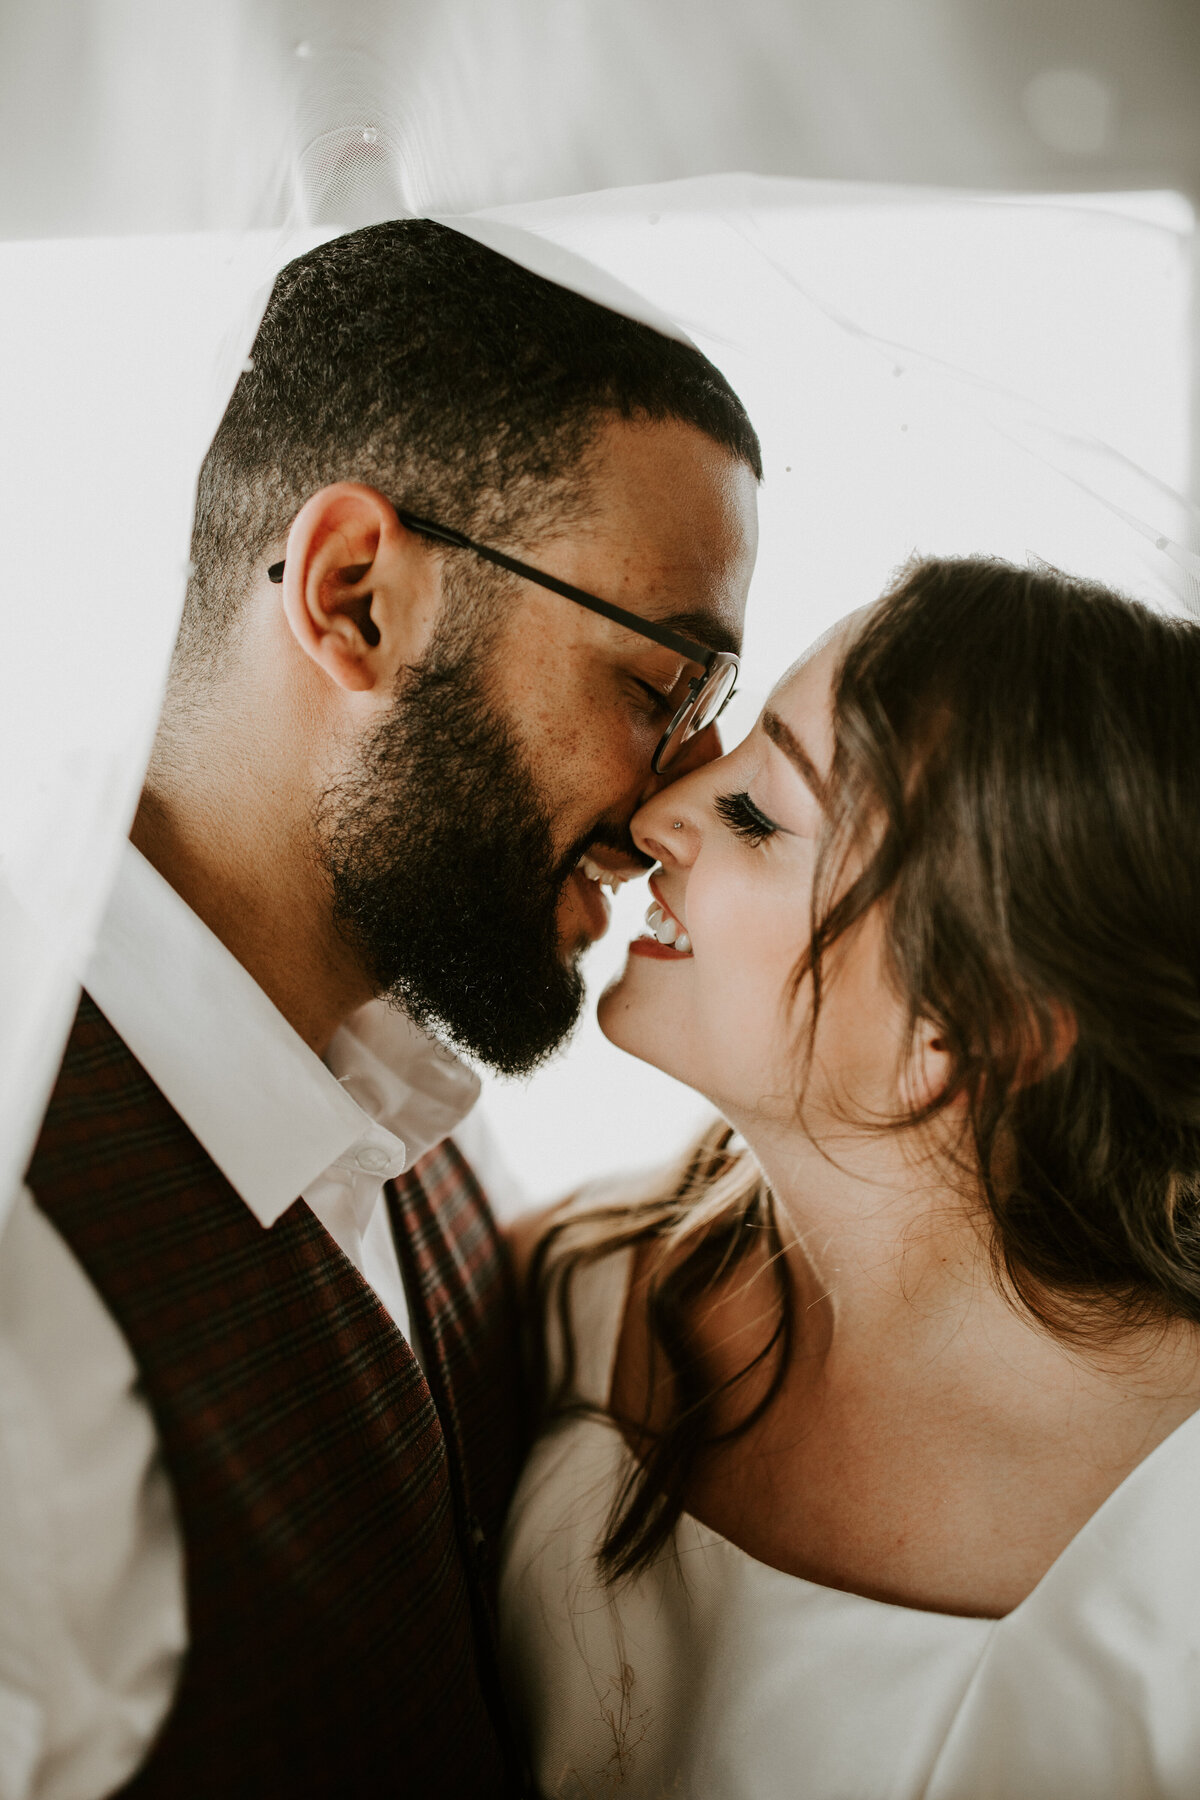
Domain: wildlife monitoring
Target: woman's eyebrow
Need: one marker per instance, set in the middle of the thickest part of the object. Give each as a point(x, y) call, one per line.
point(786, 740)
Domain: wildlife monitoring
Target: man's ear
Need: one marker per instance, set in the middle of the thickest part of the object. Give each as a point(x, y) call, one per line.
point(360, 592)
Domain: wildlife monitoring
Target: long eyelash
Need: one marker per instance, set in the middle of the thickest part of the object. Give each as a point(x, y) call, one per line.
point(739, 812)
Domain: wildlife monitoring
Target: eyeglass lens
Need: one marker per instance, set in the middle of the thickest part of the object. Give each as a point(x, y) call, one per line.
point(701, 709)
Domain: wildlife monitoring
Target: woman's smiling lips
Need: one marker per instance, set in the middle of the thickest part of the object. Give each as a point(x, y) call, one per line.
point(670, 942)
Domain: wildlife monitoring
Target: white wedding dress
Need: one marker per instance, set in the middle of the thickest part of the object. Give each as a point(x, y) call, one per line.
point(716, 1677)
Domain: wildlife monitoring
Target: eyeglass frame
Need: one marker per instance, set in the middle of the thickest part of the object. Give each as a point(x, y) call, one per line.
point(712, 662)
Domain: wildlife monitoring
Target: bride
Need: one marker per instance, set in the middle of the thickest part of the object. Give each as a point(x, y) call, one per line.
point(870, 1453)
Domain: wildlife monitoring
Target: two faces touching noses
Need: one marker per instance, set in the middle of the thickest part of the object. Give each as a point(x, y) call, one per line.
point(670, 533)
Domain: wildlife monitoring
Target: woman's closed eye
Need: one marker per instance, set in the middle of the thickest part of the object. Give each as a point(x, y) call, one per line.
point(739, 812)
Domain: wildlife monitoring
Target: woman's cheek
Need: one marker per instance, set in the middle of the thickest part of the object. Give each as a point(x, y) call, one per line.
point(746, 952)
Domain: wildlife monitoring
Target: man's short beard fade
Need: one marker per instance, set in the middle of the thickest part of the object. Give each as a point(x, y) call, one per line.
point(441, 858)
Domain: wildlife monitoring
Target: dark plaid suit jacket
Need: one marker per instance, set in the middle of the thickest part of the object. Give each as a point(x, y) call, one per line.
point(339, 1511)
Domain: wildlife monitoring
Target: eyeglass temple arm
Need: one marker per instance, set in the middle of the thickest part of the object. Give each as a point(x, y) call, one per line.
point(660, 634)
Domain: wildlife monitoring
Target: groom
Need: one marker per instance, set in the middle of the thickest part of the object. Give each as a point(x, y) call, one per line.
point(257, 1252)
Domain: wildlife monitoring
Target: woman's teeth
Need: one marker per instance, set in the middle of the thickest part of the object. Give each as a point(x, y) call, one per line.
point(666, 930)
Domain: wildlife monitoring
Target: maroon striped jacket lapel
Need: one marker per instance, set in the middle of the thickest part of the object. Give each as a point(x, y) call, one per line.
point(333, 1617)
point(467, 1306)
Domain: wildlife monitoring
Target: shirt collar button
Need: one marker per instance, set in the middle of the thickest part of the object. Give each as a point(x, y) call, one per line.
point(371, 1158)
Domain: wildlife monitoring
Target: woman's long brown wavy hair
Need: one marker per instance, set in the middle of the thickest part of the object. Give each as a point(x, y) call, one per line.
point(1016, 784)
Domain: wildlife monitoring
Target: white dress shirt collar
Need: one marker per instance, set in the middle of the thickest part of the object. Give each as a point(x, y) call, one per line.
point(273, 1116)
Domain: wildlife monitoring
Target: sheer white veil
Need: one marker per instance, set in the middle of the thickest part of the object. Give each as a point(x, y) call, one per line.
point(927, 371)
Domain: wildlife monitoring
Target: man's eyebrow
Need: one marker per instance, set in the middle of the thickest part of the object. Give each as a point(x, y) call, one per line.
point(786, 740)
point(703, 627)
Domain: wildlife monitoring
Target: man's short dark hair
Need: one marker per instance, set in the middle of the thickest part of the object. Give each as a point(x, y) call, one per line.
point(462, 386)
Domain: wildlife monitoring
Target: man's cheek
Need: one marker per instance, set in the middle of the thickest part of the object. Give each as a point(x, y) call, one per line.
point(612, 785)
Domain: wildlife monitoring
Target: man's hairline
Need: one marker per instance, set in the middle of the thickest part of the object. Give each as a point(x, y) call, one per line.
point(567, 503)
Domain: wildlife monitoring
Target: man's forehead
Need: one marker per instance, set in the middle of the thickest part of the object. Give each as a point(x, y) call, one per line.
point(673, 514)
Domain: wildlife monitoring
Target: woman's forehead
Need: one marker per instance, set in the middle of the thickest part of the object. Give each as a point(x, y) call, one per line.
point(810, 677)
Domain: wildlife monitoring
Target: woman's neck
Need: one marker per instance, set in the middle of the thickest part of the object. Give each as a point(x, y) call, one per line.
point(896, 1281)
point(932, 1444)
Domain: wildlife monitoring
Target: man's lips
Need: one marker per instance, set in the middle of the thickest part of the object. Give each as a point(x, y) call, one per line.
point(585, 909)
point(610, 869)
point(591, 901)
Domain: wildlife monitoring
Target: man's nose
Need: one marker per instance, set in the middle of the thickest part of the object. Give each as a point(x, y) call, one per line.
point(704, 748)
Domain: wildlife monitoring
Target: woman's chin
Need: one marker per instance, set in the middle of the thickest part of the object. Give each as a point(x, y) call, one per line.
point(628, 1019)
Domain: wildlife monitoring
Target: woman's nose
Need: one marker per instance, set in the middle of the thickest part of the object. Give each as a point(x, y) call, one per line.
point(665, 827)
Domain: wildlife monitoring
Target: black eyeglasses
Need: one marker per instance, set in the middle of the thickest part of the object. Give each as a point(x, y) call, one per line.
point(707, 696)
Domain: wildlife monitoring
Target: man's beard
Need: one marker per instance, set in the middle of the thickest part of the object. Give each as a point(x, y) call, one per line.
point(445, 882)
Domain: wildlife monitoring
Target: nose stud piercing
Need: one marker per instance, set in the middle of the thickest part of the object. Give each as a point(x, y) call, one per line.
point(678, 826)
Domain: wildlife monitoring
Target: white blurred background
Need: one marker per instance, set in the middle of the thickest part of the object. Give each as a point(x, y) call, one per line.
point(163, 115)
